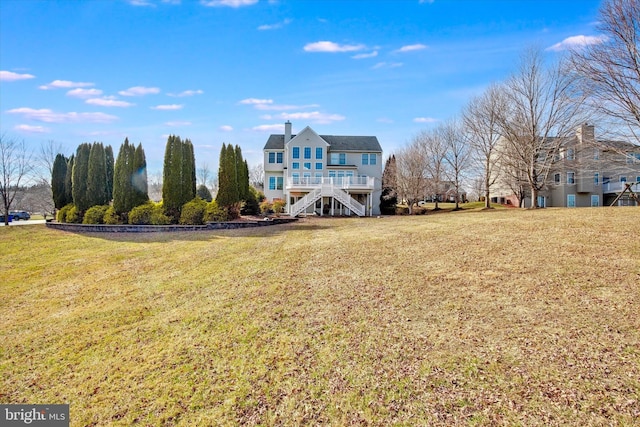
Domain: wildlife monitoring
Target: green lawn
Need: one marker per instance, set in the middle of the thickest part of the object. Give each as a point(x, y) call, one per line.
point(502, 317)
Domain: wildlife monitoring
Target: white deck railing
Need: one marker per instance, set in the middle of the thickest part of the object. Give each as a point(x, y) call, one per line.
point(617, 187)
point(345, 183)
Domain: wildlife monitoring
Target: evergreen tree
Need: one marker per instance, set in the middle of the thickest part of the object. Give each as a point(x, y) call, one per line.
point(227, 178)
point(108, 154)
point(179, 176)
point(139, 177)
point(203, 192)
point(68, 180)
point(58, 176)
point(389, 196)
point(122, 184)
point(97, 191)
point(79, 178)
point(242, 175)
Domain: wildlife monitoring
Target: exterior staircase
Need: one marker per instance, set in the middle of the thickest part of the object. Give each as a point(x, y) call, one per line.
point(327, 190)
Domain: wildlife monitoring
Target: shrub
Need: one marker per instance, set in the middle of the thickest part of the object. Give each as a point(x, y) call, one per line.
point(214, 212)
point(278, 206)
point(203, 192)
point(95, 214)
point(141, 215)
point(233, 212)
point(74, 216)
point(110, 216)
point(250, 205)
point(158, 216)
point(193, 212)
point(62, 213)
point(266, 207)
point(402, 210)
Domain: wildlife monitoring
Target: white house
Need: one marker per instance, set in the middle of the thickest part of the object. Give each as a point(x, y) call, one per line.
point(323, 174)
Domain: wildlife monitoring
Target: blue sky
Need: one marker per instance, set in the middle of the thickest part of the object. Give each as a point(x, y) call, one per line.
point(234, 71)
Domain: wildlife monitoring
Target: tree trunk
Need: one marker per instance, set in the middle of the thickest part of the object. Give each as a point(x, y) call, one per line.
point(534, 197)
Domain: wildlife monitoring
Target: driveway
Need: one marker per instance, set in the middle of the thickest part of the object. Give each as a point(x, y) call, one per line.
point(29, 222)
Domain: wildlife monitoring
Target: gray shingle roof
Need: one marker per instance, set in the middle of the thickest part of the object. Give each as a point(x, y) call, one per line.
point(336, 142)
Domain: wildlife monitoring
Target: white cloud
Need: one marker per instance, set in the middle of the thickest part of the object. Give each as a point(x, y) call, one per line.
point(276, 26)
point(141, 3)
point(9, 76)
point(425, 120)
point(32, 129)
point(84, 93)
point(269, 128)
point(178, 123)
point(384, 120)
point(366, 55)
point(331, 47)
point(227, 3)
point(426, 1)
point(256, 101)
point(411, 48)
point(387, 65)
point(577, 42)
point(49, 116)
point(225, 128)
point(313, 116)
point(139, 91)
point(108, 102)
point(186, 93)
point(168, 107)
point(64, 84)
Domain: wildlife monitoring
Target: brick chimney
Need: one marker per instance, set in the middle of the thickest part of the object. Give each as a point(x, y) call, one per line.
point(287, 131)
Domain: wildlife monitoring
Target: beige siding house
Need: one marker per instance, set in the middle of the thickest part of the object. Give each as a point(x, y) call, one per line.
point(323, 174)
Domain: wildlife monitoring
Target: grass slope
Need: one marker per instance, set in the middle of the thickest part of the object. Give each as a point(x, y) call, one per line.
point(503, 317)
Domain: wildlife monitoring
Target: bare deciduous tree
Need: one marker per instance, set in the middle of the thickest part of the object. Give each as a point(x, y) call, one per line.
point(204, 175)
point(610, 70)
point(481, 126)
point(256, 175)
point(410, 169)
point(15, 165)
point(46, 157)
point(434, 147)
point(542, 110)
point(457, 155)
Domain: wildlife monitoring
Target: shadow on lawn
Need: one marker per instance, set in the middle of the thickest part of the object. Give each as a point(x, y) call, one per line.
point(206, 235)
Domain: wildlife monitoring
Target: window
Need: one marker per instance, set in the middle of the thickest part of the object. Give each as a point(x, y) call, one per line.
point(272, 183)
point(365, 159)
point(596, 154)
point(319, 165)
point(278, 157)
point(306, 177)
point(318, 178)
point(571, 154)
point(338, 159)
point(556, 178)
point(596, 178)
point(295, 165)
point(571, 178)
point(279, 182)
point(571, 200)
point(307, 165)
point(296, 178)
point(595, 200)
point(295, 153)
point(272, 157)
point(307, 152)
point(373, 160)
point(623, 179)
point(318, 153)
point(637, 178)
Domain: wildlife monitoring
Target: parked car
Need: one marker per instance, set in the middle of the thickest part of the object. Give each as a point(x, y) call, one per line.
point(18, 215)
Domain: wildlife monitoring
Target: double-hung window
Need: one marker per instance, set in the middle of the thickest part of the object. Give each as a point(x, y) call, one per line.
point(319, 153)
point(571, 178)
point(596, 178)
point(307, 152)
point(318, 165)
point(365, 159)
point(295, 153)
point(278, 157)
point(272, 157)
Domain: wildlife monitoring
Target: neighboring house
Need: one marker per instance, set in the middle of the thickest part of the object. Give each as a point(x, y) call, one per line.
point(447, 193)
point(323, 174)
point(586, 172)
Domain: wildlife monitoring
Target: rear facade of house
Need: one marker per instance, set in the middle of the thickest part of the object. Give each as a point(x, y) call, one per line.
point(323, 174)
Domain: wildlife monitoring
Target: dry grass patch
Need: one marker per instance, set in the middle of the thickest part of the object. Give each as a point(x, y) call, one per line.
point(502, 317)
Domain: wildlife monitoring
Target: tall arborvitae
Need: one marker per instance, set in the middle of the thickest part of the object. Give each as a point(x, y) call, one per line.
point(97, 191)
point(80, 176)
point(389, 196)
point(68, 180)
point(242, 175)
point(122, 184)
point(58, 176)
point(139, 177)
point(108, 155)
point(179, 176)
point(227, 178)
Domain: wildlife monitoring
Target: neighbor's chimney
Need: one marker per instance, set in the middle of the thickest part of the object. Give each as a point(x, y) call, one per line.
point(586, 134)
point(287, 131)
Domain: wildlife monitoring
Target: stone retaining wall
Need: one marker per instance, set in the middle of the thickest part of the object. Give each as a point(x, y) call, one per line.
point(128, 228)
